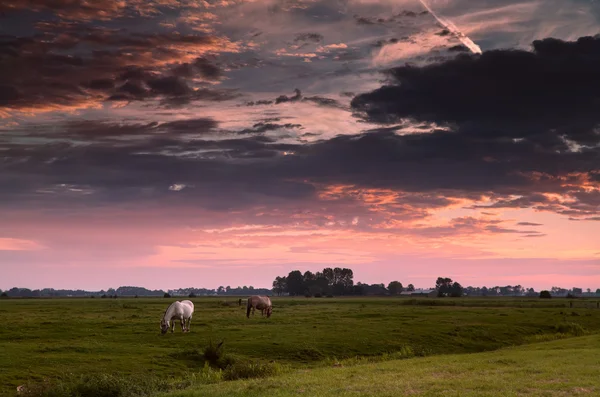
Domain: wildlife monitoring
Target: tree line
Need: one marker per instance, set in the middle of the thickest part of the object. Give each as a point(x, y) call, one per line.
point(328, 282)
point(131, 291)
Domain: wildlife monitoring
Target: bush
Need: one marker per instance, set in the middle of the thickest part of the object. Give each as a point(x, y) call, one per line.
point(215, 356)
point(103, 296)
point(191, 295)
point(4, 295)
point(166, 295)
point(318, 295)
point(545, 295)
point(330, 296)
point(307, 295)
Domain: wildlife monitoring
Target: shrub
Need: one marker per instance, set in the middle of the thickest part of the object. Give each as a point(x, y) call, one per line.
point(215, 356)
point(330, 296)
point(545, 295)
point(4, 295)
point(191, 295)
point(103, 296)
point(318, 295)
point(166, 295)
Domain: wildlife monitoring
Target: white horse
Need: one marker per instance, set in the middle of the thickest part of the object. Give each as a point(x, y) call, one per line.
point(181, 311)
point(262, 303)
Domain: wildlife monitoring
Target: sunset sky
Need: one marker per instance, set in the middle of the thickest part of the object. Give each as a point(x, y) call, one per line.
point(200, 143)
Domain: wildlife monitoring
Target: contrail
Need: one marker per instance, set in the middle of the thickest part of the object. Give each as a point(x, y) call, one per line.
point(452, 28)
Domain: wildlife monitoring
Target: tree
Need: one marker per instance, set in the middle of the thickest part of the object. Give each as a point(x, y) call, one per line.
point(166, 295)
point(456, 290)
point(279, 285)
point(545, 294)
point(444, 286)
point(395, 287)
point(295, 283)
point(577, 291)
point(410, 287)
point(328, 274)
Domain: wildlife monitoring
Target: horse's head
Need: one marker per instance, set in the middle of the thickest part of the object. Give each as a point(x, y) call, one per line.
point(269, 311)
point(164, 326)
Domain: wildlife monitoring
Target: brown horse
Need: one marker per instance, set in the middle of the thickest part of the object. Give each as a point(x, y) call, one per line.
point(262, 303)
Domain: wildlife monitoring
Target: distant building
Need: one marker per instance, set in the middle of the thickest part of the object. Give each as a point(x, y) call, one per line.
point(430, 293)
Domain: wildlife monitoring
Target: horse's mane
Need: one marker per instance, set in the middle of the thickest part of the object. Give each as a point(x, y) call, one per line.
point(165, 313)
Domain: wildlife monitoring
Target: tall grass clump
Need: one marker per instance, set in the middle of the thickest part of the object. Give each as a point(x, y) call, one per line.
point(403, 353)
point(98, 385)
point(570, 328)
point(247, 370)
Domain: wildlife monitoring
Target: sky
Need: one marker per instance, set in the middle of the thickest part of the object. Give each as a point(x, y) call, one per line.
point(200, 143)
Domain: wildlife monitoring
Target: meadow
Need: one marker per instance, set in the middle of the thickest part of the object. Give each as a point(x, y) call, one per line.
point(59, 342)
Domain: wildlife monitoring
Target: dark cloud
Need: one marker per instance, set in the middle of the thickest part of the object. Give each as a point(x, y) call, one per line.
point(202, 67)
point(297, 97)
point(101, 64)
point(459, 48)
point(321, 101)
point(503, 92)
point(262, 127)
point(308, 37)
point(361, 20)
point(528, 224)
point(284, 98)
point(139, 162)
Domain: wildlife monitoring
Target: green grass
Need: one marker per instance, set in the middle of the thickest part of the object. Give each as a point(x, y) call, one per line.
point(50, 339)
point(559, 368)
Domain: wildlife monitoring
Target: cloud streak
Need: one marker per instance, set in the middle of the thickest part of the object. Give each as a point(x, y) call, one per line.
point(475, 49)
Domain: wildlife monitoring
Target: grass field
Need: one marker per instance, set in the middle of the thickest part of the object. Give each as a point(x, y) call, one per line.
point(45, 340)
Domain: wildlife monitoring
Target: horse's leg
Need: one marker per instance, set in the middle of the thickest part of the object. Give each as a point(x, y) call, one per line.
point(172, 326)
point(248, 308)
point(188, 324)
point(182, 322)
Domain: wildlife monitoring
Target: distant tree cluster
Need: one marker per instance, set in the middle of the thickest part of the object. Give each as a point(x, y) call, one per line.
point(51, 292)
point(446, 287)
point(329, 282)
point(245, 290)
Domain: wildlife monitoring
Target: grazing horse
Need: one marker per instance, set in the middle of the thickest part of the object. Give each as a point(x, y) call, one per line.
point(262, 303)
point(181, 311)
